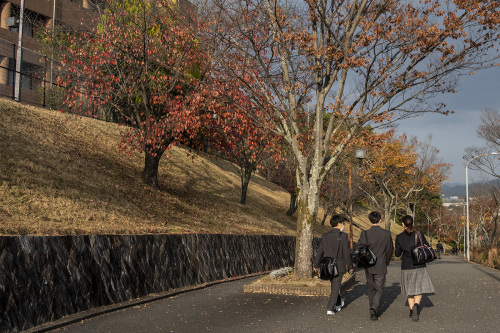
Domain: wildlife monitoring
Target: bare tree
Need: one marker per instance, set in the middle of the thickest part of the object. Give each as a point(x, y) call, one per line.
point(428, 175)
point(489, 131)
point(485, 211)
point(335, 189)
point(495, 194)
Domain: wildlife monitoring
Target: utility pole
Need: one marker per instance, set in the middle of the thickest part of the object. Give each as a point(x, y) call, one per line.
point(19, 54)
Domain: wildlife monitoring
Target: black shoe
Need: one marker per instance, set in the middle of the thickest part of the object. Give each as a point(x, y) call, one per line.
point(411, 313)
point(415, 312)
point(373, 314)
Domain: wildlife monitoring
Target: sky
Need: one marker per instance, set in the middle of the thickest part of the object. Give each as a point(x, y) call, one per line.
point(453, 133)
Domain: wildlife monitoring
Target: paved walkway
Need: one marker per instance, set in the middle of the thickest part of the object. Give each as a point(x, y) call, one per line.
point(467, 299)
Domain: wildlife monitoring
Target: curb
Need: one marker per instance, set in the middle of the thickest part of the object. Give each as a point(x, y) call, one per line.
point(299, 290)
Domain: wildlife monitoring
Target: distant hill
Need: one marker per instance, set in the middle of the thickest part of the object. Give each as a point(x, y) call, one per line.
point(453, 191)
point(454, 184)
point(458, 190)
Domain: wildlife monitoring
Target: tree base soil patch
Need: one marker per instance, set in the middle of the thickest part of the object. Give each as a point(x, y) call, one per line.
point(290, 285)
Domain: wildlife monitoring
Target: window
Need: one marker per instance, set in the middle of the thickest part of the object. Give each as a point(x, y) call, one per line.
point(29, 73)
point(29, 18)
point(27, 29)
point(12, 69)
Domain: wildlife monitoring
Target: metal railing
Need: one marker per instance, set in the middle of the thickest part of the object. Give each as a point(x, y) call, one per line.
point(37, 86)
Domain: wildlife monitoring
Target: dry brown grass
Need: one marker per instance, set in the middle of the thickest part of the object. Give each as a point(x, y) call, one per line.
point(61, 174)
point(487, 256)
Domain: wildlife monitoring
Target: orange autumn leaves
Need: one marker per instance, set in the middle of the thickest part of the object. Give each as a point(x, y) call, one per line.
point(398, 166)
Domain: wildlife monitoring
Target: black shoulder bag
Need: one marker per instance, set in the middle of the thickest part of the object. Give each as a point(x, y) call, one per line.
point(328, 267)
point(363, 256)
point(421, 253)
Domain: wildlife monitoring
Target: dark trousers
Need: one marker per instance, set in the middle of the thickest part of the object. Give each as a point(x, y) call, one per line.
point(375, 284)
point(335, 294)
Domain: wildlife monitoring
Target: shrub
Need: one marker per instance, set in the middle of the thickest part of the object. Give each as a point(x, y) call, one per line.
point(487, 256)
point(494, 258)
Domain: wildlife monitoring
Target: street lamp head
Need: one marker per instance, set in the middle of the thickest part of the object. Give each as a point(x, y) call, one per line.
point(360, 153)
point(493, 153)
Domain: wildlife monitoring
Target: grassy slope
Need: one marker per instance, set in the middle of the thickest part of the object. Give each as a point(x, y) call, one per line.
point(60, 174)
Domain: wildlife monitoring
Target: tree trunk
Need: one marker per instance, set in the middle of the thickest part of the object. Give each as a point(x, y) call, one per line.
point(387, 211)
point(246, 174)
point(324, 218)
point(244, 190)
point(293, 204)
point(304, 237)
point(151, 163)
point(410, 209)
point(495, 227)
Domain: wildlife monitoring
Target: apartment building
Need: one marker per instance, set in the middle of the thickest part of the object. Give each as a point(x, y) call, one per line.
point(35, 67)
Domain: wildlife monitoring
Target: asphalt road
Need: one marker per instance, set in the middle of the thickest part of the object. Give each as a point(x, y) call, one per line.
point(467, 299)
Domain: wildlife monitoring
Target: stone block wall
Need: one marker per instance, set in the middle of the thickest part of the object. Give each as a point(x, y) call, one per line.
point(45, 278)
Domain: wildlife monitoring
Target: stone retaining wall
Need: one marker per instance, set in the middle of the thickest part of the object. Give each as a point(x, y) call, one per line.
point(45, 278)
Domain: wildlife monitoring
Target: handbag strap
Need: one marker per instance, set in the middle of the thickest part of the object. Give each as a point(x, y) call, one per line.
point(419, 238)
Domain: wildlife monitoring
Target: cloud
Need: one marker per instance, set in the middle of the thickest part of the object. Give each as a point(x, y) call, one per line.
point(453, 133)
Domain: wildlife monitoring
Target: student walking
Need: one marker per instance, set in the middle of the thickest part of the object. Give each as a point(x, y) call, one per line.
point(335, 244)
point(439, 249)
point(380, 242)
point(414, 278)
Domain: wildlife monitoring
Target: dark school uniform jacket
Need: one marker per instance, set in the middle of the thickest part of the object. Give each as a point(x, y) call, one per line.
point(335, 244)
point(404, 243)
point(380, 242)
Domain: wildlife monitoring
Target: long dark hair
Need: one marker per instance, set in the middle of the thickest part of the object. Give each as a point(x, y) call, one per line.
point(408, 222)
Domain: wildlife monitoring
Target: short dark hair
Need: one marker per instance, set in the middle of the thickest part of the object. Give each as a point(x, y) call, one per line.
point(374, 217)
point(336, 219)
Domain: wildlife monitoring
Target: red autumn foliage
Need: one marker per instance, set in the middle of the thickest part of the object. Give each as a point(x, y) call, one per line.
point(141, 62)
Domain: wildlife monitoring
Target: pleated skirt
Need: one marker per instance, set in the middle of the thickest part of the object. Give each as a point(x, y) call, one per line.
point(416, 282)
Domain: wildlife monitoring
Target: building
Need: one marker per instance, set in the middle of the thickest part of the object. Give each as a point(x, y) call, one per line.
point(35, 68)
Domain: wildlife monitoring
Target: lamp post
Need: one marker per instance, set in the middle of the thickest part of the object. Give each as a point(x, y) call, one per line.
point(359, 153)
point(464, 229)
point(467, 196)
point(464, 241)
